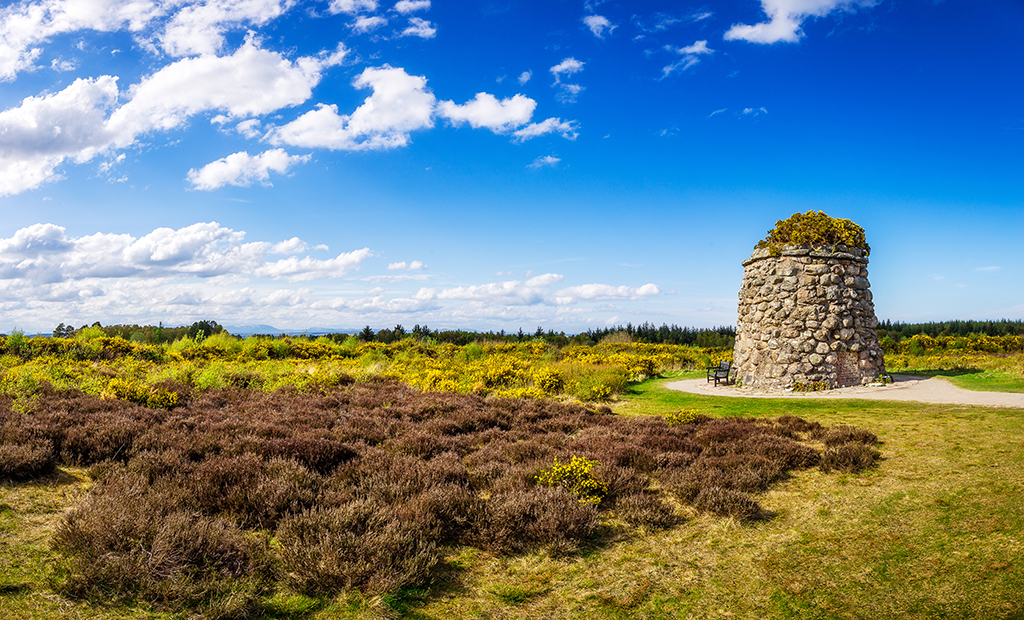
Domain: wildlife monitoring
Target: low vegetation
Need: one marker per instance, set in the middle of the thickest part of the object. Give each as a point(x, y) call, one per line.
point(239, 494)
point(297, 478)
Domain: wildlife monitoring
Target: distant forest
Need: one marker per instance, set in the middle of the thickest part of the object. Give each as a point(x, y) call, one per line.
point(897, 331)
point(722, 336)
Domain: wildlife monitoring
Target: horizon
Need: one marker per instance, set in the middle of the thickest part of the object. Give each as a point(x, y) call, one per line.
point(572, 165)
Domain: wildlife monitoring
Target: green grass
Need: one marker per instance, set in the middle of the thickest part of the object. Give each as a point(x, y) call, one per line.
point(936, 531)
point(977, 379)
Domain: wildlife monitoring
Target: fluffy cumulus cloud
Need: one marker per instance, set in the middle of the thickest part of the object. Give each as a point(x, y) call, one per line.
point(200, 28)
point(785, 18)
point(592, 292)
point(411, 6)
point(242, 169)
point(85, 118)
point(206, 269)
point(44, 254)
point(24, 26)
point(486, 110)
point(399, 105)
point(195, 66)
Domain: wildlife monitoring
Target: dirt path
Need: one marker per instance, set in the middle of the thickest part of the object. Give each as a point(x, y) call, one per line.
point(905, 387)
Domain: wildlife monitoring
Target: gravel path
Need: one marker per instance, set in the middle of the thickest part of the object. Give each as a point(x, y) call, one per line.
point(905, 387)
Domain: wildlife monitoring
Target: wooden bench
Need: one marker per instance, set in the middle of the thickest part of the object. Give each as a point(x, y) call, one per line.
point(719, 373)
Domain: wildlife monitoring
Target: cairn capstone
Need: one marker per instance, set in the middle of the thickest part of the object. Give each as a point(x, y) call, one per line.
point(806, 315)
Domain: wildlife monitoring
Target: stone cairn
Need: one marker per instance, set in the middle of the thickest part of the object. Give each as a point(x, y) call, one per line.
point(805, 315)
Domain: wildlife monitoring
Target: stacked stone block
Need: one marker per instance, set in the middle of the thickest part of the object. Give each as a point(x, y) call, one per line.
point(806, 315)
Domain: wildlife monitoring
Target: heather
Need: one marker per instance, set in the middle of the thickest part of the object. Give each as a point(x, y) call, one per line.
point(237, 493)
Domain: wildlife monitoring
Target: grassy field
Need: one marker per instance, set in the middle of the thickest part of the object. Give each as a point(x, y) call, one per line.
point(934, 531)
point(979, 380)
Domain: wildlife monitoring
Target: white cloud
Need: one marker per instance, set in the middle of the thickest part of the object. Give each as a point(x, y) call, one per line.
point(419, 28)
point(719, 111)
point(250, 82)
point(303, 269)
point(368, 23)
point(549, 161)
point(399, 105)
point(544, 280)
point(249, 128)
point(598, 24)
point(291, 246)
point(511, 292)
point(242, 169)
point(567, 129)
point(990, 268)
point(690, 56)
point(486, 110)
point(524, 77)
point(413, 266)
point(44, 131)
point(25, 25)
point(199, 28)
point(786, 16)
point(43, 255)
point(591, 292)
point(754, 111)
point(352, 6)
point(568, 66)
point(411, 6)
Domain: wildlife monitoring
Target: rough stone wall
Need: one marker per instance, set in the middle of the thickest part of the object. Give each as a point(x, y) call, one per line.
point(806, 316)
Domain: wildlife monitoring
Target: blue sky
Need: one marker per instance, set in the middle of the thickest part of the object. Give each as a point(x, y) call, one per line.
point(500, 164)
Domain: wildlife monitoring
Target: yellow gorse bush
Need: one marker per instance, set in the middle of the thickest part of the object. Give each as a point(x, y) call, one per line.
point(575, 477)
point(116, 368)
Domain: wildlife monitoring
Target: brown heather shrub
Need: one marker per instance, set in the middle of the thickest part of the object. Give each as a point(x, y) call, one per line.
point(846, 434)
point(797, 425)
point(364, 484)
point(128, 540)
point(850, 458)
point(621, 481)
point(361, 544)
point(28, 460)
point(728, 503)
point(646, 510)
point(317, 454)
point(540, 517)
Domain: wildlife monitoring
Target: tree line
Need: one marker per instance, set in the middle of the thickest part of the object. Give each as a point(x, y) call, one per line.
point(898, 330)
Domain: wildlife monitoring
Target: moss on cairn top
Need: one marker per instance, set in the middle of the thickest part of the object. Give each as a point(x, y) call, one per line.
point(815, 229)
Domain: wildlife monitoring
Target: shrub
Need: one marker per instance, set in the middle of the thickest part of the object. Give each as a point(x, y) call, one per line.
point(728, 503)
point(646, 510)
point(128, 541)
point(683, 416)
point(525, 519)
point(360, 544)
point(846, 434)
point(25, 461)
point(815, 229)
point(849, 458)
point(576, 478)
